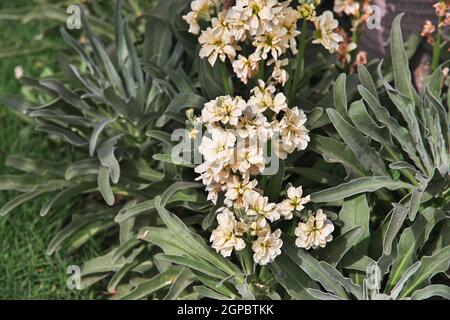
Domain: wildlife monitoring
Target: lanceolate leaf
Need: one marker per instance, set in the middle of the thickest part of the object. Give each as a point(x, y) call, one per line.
point(356, 212)
point(400, 63)
point(401, 134)
point(96, 133)
point(397, 218)
point(291, 277)
point(336, 249)
point(340, 95)
point(312, 267)
point(335, 151)
point(357, 186)
point(431, 265)
point(161, 280)
point(433, 290)
point(104, 186)
point(411, 240)
point(359, 144)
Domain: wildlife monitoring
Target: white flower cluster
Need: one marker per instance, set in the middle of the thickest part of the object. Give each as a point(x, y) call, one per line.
point(268, 26)
point(233, 154)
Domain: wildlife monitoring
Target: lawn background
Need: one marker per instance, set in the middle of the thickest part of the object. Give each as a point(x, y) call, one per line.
point(26, 272)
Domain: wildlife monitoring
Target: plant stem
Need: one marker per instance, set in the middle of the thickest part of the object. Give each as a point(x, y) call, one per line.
point(299, 60)
point(437, 47)
point(261, 70)
point(246, 260)
point(226, 84)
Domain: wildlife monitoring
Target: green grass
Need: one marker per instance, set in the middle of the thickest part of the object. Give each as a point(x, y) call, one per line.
point(26, 272)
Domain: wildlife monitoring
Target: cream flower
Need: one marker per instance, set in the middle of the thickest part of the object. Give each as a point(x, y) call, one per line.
point(263, 98)
point(260, 227)
point(293, 202)
point(325, 26)
point(257, 205)
point(316, 232)
point(212, 172)
point(349, 7)
point(220, 23)
point(224, 238)
point(307, 11)
point(279, 74)
point(224, 109)
point(236, 189)
point(289, 23)
point(267, 247)
point(293, 133)
point(343, 51)
point(253, 124)
point(246, 68)
point(216, 43)
point(218, 148)
point(213, 190)
point(200, 8)
point(273, 42)
point(260, 14)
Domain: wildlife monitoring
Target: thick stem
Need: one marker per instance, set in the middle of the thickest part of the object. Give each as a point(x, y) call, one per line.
point(261, 70)
point(437, 47)
point(299, 60)
point(226, 84)
point(246, 258)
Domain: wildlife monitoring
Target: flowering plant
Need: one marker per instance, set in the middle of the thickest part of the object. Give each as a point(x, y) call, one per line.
point(317, 186)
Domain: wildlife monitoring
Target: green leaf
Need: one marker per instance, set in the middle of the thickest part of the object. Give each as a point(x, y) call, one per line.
point(400, 133)
point(320, 295)
point(367, 81)
point(162, 136)
point(400, 63)
point(357, 186)
point(398, 217)
point(82, 168)
point(312, 267)
point(22, 183)
point(146, 288)
point(346, 283)
point(183, 280)
point(365, 123)
point(340, 95)
point(78, 223)
point(292, 278)
point(317, 175)
point(104, 186)
point(178, 103)
point(356, 212)
point(102, 57)
point(402, 281)
point(334, 151)
point(275, 182)
point(206, 292)
point(120, 274)
point(37, 191)
point(67, 135)
point(359, 144)
point(194, 264)
point(411, 240)
point(107, 158)
point(158, 41)
point(210, 79)
point(96, 133)
point(64, 196)
point(433, 290)
point(191, 242)
point(430, 266)
point(337, 248)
